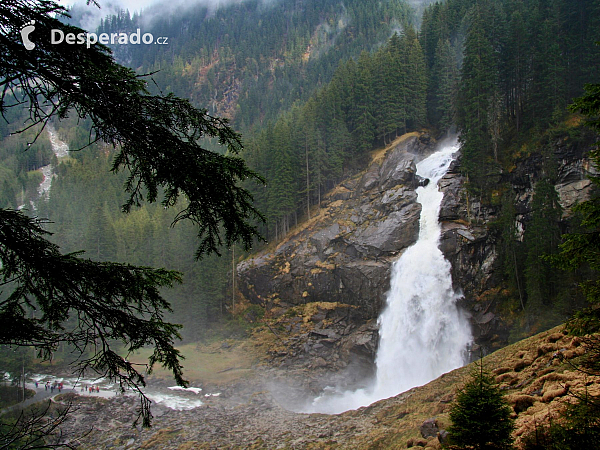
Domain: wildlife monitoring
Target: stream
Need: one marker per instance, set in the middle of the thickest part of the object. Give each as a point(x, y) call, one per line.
point(173, 397)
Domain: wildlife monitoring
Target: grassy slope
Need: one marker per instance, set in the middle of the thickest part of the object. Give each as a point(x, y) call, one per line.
point(536, 374)
point(212, 364)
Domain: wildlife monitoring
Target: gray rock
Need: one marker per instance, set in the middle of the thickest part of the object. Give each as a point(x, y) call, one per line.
point(395, 232)
point(370, 179)
point(322, 238)
point(444, 437)
point(452, 207)
point(429, 428)
point(398, 168)
point(345, 257)
point(574, 192)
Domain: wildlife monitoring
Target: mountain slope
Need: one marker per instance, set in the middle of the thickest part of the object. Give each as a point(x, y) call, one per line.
point(251, 60)
point(536, 374)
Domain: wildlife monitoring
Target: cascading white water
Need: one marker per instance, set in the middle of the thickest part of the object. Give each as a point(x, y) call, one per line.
point(422, 334)
point(61, 150)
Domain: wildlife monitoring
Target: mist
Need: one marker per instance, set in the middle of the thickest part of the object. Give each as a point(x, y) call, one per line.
point(88, 17)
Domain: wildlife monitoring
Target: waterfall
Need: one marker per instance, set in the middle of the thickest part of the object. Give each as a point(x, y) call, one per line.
point(422, 333)
point(61, 150)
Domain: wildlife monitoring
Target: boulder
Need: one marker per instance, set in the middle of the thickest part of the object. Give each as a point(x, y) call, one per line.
point(444, 437)
point(399, 168)
point(429, 428)
point(393, 233)
point(323, 237)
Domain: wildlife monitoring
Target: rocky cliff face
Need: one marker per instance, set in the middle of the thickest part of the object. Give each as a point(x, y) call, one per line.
point(471, 246)
point(344, 254)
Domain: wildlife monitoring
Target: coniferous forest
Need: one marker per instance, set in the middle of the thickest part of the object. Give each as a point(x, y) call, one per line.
point(318, 93)
point(314, 87)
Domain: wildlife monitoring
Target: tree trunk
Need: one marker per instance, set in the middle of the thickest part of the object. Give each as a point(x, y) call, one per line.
point(307, 183)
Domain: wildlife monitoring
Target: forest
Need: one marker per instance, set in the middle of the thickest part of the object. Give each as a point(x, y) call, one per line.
point(252, 60)
point(501, 74)
point(316, 86)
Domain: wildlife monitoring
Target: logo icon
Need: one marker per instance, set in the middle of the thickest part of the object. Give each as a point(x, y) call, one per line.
point(26, 30)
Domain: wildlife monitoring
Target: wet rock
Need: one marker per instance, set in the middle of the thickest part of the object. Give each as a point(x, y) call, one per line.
point(395, 232)
point(346, 256)
point(452, 207)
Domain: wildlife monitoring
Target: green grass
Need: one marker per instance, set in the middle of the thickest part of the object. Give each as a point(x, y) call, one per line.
point(209, 364)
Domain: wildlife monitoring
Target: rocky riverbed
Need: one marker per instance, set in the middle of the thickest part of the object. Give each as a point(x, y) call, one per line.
point(536, 374)
point(246, 417)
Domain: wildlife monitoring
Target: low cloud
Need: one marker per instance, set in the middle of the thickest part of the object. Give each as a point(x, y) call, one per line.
point(88, 16)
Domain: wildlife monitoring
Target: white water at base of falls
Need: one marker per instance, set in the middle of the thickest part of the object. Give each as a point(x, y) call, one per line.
point(422, 333)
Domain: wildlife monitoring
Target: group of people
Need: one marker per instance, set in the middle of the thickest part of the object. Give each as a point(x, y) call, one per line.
point(91, 389)
point(56, 385)
point(52, 386)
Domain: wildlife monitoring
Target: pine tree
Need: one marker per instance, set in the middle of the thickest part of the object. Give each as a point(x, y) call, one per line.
point(384, 86)
point(480, 415)
point(542, 237)
point(363, 122)
point(100, 236)
point(547, 98)
point(416, 95)
point(443, 85)
point(476, 91)
point(282, 200)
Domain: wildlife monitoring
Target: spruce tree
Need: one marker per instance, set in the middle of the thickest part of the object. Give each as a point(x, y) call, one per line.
point(477, 85)
point(444, 78)
point(542, 237)
point(384, 86)
point(52, 299)
point(416, 95)
point(480, 415)
point(363, 122)
point(581, 249)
